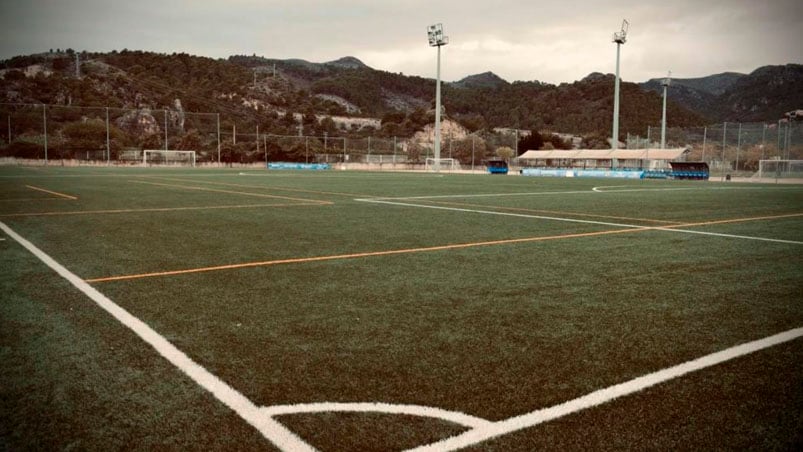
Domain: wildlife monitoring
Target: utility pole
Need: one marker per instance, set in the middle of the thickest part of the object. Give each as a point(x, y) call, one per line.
point(77, 66)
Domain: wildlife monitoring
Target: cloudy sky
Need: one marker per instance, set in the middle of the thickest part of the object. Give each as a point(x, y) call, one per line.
point(546, 40)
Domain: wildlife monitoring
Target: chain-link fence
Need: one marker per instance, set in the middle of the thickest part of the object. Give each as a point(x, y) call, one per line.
point(731, 147)
point(37, 131)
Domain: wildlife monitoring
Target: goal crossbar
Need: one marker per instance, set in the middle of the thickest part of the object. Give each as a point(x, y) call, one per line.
point(165, 157)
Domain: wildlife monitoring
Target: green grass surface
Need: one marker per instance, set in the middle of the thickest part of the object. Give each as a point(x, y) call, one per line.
point(493, 330)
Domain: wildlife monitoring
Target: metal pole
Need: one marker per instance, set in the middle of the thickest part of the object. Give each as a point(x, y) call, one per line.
point(763, 137)
point(705, 132)
point(663, 121)
point(9, 129)
point(344, 152)
point(44, 126)
point(234, 134)
point(265, 138)
point(472, 154)
point(615, 133)
point(218, 137)
point(438, 114)
point(724, 131)
point(165, 110)
point(108, 148)
point(257, 138)
point(306, 149)
point(779, 138)
point(738, 147)
point(394, 151)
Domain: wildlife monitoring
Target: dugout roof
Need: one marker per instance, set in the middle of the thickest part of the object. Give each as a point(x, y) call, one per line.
point(606, 154)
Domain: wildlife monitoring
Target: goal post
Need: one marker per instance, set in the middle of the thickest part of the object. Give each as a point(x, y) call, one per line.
point(169, 158)
point(781, 169)
point(433, 164)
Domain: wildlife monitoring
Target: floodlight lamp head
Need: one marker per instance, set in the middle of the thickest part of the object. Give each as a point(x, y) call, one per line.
point(435, 35)
point(621, 36)
point(668, 80)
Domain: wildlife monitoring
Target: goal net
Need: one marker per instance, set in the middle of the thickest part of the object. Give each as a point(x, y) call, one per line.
point(433, 164)
point(781, 169)
point(169, 158)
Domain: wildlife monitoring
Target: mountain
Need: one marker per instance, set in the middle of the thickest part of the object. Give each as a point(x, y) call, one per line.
point(763, 95)
point(275, 94)
point(484, 80)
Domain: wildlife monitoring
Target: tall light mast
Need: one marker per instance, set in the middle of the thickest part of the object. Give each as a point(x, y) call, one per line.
point(665, 84)
point(619, 38)
point(437, 39)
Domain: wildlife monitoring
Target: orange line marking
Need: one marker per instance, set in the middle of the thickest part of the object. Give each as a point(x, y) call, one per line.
point(155, 209)
point(357, 195)
point(424, 249)
point(260, 195)
point(52, 192)
point(358, 255)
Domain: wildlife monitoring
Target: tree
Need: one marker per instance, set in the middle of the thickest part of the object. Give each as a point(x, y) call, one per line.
point(504, 152)
point(532, 142)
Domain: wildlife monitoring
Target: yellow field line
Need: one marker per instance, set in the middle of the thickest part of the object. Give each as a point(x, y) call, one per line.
point(52, 192)
point(155, 209)
point(260, 195)
point(357, 255)
point(33, 199)
point(557, 212)
point(426, 249)
point(351, 195)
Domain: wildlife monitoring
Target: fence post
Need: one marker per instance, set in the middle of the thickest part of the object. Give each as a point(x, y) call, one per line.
point(108, 147)
point(724, 130)
point(738, 147)
point(44, 127)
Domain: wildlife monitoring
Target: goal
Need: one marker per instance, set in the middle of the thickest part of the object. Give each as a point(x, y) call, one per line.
point(170, 158)
point(433, 164)
point(780, 169)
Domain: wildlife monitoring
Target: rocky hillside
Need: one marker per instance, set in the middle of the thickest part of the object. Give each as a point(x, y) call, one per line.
point(278, 94)
point(763, 95)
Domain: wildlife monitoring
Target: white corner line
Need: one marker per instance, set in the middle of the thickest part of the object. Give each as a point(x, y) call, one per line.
point(454, 417)
point(270, 428)
point(478, 435)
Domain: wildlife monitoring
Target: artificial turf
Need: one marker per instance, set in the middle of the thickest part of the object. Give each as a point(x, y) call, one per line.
point(533, 311)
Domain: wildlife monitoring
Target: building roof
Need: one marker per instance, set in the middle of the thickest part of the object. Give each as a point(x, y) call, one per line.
point(606, 154)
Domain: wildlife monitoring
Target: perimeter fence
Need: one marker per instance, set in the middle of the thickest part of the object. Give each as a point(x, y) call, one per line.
point(118, 136)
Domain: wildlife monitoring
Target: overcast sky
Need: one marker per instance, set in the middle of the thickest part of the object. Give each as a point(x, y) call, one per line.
point(546, 40)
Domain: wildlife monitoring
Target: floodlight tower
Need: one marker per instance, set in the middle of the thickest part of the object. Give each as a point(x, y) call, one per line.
point(619, 38)
point(437, 39)
point(665, 83)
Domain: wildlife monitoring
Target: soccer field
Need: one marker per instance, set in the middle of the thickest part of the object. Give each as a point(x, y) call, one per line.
point(190, 309)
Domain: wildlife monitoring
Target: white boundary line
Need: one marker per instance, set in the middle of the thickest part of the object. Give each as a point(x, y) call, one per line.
point(386, 408)
point(270, 428)
point(574, 220)
point(477, 435)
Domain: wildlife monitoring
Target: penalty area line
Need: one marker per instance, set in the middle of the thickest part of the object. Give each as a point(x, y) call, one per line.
point(599, 397)
point(247, 410)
